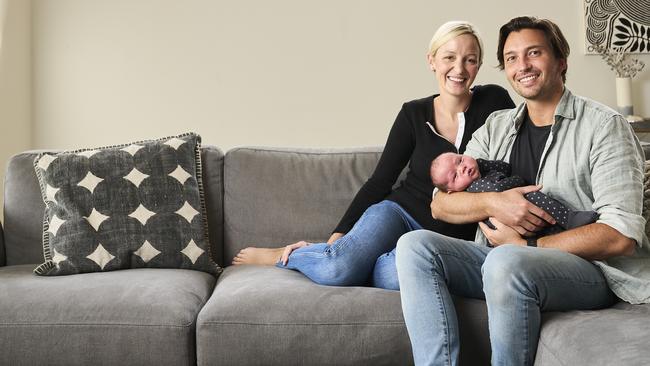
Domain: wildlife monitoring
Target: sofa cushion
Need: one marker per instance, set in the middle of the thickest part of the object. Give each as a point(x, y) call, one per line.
point(274, 197)
point(128, 206)
point(272, 316)
point(614, 336)
point(136, 317)
point(212, 163)
point(263, 315)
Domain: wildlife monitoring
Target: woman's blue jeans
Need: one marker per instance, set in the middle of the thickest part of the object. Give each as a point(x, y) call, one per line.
point(365, 255)
point(517, 283)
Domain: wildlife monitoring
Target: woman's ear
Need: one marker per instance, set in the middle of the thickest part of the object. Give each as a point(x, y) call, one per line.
point(430, 62)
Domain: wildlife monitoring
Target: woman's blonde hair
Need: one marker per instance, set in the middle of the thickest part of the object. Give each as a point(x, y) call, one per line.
point(454, 29)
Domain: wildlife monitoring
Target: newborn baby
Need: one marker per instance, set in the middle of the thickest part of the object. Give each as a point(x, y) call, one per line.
point(453, 172)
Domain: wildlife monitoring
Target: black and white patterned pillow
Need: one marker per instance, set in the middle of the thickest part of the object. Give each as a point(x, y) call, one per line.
point(129, 206)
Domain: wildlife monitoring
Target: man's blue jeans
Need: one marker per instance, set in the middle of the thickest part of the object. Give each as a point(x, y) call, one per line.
point(366, 254)
point(516, 282)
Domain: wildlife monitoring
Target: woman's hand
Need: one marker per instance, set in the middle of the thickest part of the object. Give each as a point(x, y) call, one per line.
point(502, 234)
point(290, 248)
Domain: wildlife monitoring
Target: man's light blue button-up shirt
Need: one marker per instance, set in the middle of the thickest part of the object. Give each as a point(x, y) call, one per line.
point(592, 161)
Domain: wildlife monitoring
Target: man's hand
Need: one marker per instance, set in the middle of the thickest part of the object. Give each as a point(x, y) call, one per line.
point(513, 210)
point(502, 234)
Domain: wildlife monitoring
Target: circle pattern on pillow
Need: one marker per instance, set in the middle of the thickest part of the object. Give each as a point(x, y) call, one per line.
point(129, 206)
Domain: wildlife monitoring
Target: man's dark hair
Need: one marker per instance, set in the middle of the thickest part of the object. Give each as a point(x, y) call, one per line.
point(553, 34)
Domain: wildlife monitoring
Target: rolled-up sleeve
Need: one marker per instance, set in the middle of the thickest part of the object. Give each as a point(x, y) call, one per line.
point(616, 163)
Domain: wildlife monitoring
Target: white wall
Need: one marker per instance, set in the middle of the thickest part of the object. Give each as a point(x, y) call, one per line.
point(15, 80)
point(283, 72)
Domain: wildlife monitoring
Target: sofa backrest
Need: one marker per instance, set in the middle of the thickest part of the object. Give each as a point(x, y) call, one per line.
point(24, 207)
point(274, 197)
point(270, 196)
point(2, 246)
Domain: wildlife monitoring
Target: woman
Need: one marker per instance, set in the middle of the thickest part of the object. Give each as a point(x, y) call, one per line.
point(362, 247)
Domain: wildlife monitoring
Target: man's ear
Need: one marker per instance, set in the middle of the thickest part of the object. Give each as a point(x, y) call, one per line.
point(563, 64)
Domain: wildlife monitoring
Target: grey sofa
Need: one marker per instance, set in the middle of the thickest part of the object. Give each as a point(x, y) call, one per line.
point(250, 315)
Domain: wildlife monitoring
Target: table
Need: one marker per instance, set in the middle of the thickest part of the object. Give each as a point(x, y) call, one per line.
point(641, 127)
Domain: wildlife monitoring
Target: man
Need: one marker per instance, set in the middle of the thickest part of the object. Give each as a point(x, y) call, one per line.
point(575, 149)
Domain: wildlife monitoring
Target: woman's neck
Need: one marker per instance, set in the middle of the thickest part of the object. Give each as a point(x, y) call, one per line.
point(445, 109)
point(451, 105)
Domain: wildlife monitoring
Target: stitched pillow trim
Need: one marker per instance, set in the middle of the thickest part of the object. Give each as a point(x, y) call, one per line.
point(50, 264)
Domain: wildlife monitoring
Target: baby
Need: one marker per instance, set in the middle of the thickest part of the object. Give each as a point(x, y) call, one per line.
point(453, 172)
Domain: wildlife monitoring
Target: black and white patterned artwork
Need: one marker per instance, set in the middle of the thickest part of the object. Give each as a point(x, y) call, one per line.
point(618, 24)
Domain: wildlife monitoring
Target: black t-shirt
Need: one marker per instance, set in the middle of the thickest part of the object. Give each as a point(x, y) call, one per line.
point(527, 150)
point(412, 144)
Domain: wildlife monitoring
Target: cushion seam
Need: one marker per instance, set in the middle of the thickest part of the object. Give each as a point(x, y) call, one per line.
point(301, 324)
point(7, 325)
point(289, 152)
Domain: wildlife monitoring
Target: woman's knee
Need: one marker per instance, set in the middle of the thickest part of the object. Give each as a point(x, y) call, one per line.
point(338, 273)
point(384, 275)
point(381, 208)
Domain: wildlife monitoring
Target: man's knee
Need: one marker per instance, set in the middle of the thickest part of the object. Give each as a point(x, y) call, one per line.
point(506, 269)
point(412, 243)
point(417, 245)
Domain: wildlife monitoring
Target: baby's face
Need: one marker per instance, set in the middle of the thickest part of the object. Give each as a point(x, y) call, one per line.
point(456, 171)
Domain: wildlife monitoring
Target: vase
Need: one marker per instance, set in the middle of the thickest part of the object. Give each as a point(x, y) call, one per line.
point(624, 96)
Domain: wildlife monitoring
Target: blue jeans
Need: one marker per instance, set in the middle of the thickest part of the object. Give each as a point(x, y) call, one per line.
point(368, 249)
point(517, 283)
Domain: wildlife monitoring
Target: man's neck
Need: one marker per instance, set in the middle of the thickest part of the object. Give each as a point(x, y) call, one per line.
point(542, 111)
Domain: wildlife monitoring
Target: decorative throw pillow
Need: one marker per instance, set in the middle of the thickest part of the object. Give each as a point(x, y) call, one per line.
point(129, 206)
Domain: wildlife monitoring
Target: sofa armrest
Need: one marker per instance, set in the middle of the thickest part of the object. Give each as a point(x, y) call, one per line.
point(2, 246)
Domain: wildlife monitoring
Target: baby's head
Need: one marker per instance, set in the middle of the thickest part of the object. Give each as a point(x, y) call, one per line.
point(453, 172)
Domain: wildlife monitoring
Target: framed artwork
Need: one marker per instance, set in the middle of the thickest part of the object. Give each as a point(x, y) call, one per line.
point(622, 25)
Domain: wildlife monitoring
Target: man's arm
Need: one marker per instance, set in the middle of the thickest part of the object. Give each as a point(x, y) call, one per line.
point(509, 207)
point(592, 242)
point(616, 166)
point(461, 207)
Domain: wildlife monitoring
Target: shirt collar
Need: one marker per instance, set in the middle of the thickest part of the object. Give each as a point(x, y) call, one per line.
point(565, 110)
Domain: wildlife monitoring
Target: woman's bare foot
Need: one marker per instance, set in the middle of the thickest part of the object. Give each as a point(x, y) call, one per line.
point(264, 256)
